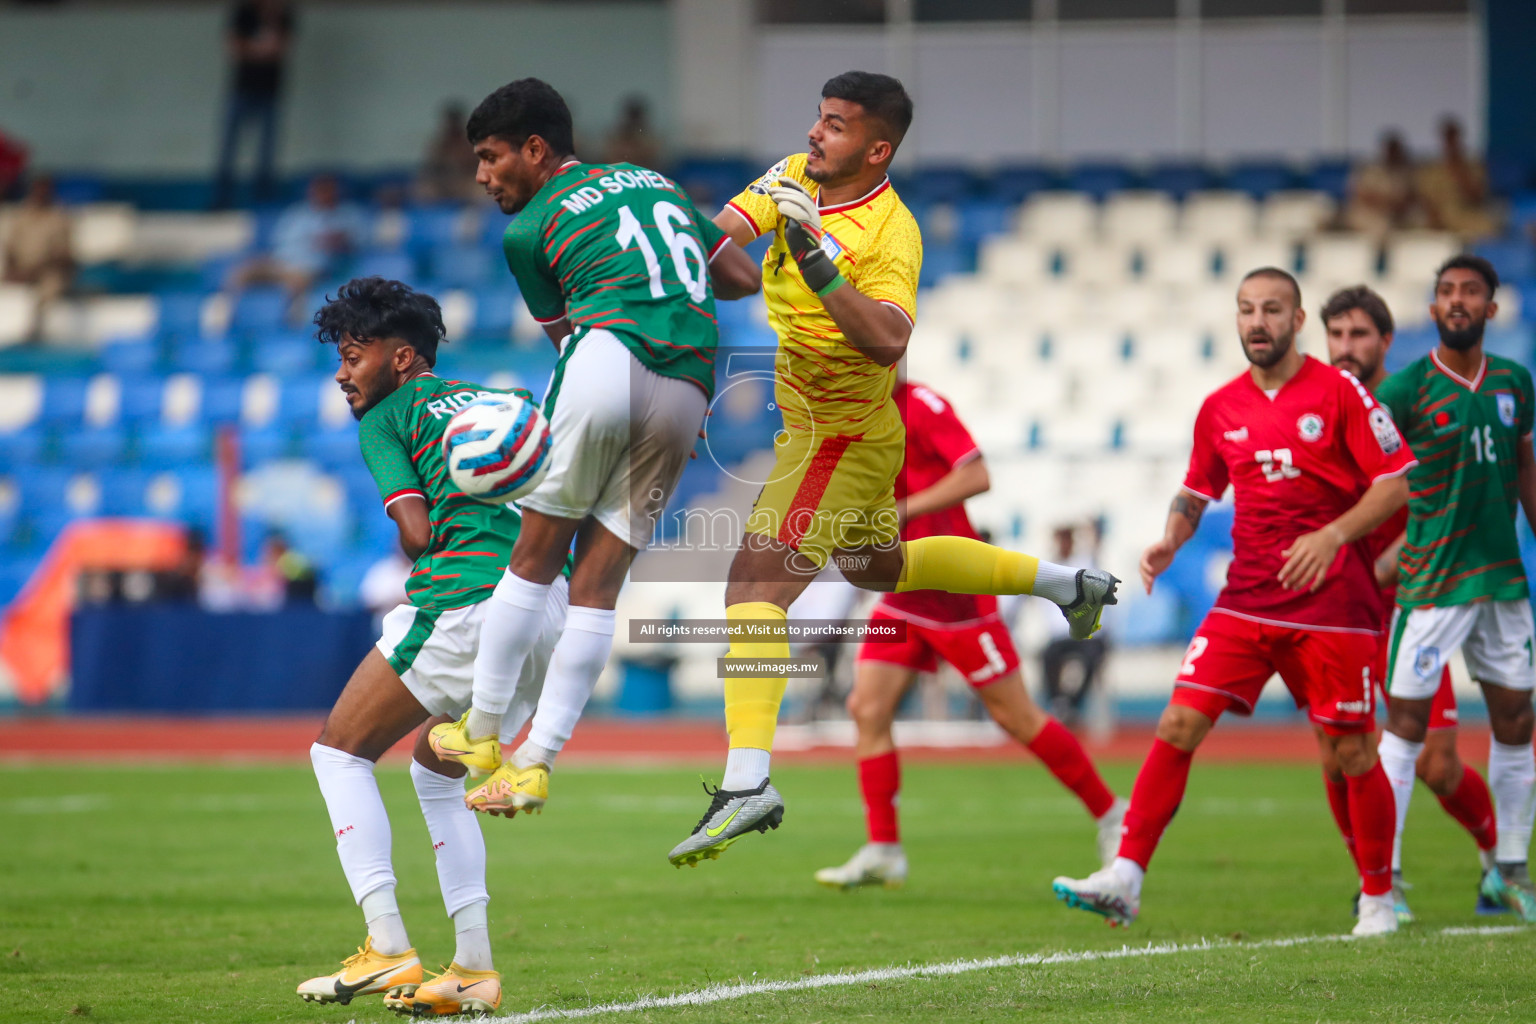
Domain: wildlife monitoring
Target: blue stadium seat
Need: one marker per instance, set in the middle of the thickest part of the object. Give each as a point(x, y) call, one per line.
point(264, 444)
point(332, 449)
point(299, 403)
point(940, 261)
point(284, 353)
point(15, 570)
point(1260, 178)
point(457, 266)
point(982, 218)
point(20, 449)
point(122, 492)
point(194, 354)
point(1016, 183)
point(221, 401)
point(493, 308)
point(93, 447)
point(63, 399)
point(938, 183)
point(139, 398)
point(1179, 179)
point(197, 496)
point(432, 227)
point(396, 266)
point(181, 314)
point(1330, 176)
point(43, 489)
point(130, 355)
point(1507, 175)
point(1099, 179)
point(260, 310)
point(164, 447)
point(1514, 259)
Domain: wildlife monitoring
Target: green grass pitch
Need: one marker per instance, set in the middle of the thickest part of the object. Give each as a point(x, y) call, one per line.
point(206, 894)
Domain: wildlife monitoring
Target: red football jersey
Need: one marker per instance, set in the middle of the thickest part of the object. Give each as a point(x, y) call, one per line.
point(937, 442)
point(1296, 462)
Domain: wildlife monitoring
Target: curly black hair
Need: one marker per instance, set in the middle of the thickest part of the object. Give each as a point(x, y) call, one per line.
point(1476, 264)
point(371, 309)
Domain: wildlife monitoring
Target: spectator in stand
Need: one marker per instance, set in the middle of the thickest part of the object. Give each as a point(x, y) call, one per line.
point(13, 164)
point(1382, 195)
point(633, 140)
point(38, 251)
point(1454, 189)
point(183, 583)
point(448, 167)
point(282, 577)
point(310, 242)
point(259, 35)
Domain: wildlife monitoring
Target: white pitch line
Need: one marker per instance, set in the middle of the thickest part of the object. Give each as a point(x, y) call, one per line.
point(722, 993)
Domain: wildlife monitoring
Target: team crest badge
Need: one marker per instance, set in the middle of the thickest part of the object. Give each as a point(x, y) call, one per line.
point(1506, 404)
point(1310, 427)
point(1385, 430)
point(1426, 663)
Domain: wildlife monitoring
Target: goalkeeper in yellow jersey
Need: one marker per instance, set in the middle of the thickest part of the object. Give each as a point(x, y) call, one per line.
point(841, 285)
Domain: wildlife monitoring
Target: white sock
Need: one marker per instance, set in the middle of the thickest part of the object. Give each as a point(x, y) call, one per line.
point(361, 827)
point(1129, 872)
point(1056, 583)
point(745, 768)
point(514, 617)
point(574, 667)
point(456, 838)
point(1486, 860)
point(472, 937)
point(385, 927)
point(1512, 777)
point(530, 753)
point(1399, 759)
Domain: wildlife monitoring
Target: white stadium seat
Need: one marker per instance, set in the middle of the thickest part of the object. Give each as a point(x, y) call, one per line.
point(1007, 259)
point(21, 399)
point(1239, 259)
point(1341, 258)
point(1055, 218)
point(102, 232)
point(18, 305)
point(1138, 218)
point(1185, 261)
point(1219, 217)
point(1097, 263)
point(1294, 215)
point(1413, 258)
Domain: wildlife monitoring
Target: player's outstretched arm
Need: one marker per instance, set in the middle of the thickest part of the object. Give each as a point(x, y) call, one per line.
point(1311, 555)
point(415, 526)
point(966, 480)
point(1386, 562)
point(742, 231)
point(733, 274)
point(1183, 517)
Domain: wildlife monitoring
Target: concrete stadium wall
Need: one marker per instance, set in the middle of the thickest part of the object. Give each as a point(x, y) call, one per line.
point(139, 90)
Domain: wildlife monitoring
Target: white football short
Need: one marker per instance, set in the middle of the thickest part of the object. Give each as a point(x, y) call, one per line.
point(1495, 637)
point(621, 435)
point(433, 652)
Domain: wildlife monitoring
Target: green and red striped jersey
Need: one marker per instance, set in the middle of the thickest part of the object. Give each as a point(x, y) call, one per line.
point(401, 438)
point(1464, 493)
point(622, 248)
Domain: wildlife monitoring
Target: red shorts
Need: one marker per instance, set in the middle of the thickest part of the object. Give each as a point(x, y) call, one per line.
point(980, 651)
point(1330, 674)
point(1442, 710)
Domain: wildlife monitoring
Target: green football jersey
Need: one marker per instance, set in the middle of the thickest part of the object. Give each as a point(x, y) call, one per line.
point(618, 247)
point(1464, 493)
point(401, 438)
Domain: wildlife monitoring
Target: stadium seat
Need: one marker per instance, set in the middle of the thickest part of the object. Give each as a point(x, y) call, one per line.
point(1331, 177)
point(495, 306)
point(1179, 179)
point(455, 266)
point(130, 355)
point(92, 447)
point(1221, 217)
point(284, 353)
point(264, 444)
point(1014, 184)
point(1295, 215)
point(1413, 258)
point(18, 305)
point(1341, 257)
point(1091, 263)
point(122, 492)
point(1260, 178)
point(1010, 259)
point(1186, 261)
point(1513, 258)
point(162, 446)
point(139, 398)
point(1139, 218)
point(195, 354)
point(1054, 218)
point(259, 311)
point(21, 449)
point(1239, 258)
point(984, 218)
point(334, 448)
point(429, 228)
point(1099, 179)
point(393, 265)
point(299, 401)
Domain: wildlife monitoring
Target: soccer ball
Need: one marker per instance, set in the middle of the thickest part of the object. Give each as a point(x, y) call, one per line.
point(497, 448)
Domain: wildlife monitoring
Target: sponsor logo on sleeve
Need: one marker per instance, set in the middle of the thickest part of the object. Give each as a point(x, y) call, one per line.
point(1506, 405)
point(1385, 431)
point(770, 179)
point(1310, 426)
point(831, 246)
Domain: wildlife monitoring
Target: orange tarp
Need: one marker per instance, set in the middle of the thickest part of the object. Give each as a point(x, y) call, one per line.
point(34, 634)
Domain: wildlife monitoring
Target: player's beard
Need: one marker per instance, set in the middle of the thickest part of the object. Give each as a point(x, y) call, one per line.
point(1361, 372)
point(373, 392)
point(1464, 339)
point(1279, 348)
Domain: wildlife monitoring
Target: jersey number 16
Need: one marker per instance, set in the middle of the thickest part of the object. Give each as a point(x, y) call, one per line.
point(681, 245)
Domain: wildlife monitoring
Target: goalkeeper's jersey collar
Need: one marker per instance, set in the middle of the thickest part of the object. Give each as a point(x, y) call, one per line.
point(867, 197)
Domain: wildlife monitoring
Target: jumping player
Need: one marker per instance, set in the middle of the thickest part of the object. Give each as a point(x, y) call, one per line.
point(943, 468)
point(841, 282)
point(1469, 417)
point(1315, 466)
point(421, 671)
point(617, 265)
point(1359, 331)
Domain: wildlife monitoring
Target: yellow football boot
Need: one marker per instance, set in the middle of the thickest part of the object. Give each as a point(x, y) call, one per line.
point(364, 973)
point(511, 789)
point(456, 990)
point(451, 742)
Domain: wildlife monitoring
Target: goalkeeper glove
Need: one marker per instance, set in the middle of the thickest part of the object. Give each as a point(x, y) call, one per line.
point(802, 232)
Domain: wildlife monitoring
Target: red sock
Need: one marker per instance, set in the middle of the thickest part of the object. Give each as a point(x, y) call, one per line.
point(1067, 760)
point(1473, 807)
point(1156, 796)
point(1338, 802)
point(1373, 819)
point(880, 780)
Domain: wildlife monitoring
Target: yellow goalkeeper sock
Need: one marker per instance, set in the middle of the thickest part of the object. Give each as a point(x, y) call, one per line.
point(960, 565)
point(752, 703)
